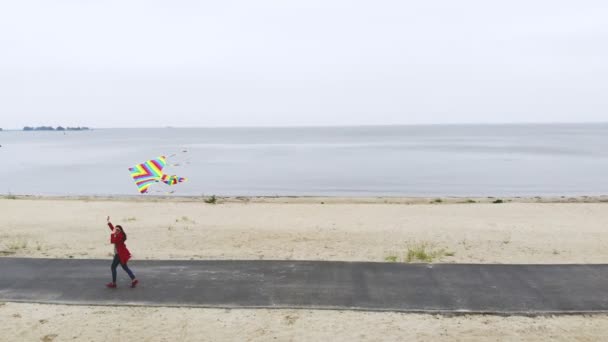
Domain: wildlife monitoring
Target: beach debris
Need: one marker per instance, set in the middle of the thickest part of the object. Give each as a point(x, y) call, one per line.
point(150, 172)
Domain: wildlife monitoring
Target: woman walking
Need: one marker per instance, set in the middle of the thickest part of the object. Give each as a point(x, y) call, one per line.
point(121, 254)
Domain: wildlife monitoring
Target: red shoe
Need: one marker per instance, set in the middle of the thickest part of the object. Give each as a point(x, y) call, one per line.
point(134, 283)
point(111, 285)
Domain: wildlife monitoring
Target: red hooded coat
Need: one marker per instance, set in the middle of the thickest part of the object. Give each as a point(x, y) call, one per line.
point(119, 241)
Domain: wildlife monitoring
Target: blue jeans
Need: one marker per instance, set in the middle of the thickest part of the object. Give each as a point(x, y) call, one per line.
point(115, 263)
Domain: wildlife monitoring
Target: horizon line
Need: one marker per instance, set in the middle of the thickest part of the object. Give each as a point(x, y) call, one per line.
point(332, 126)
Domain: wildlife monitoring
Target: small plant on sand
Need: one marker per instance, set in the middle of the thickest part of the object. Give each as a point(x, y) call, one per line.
point(291, 320)
point(184, 219)
point(17, 244)
point(211, 200)
point(437, 200)
point(470, 201)
point(10, 196)
point(131, 219)
point(465, 244)
point(49, 337)
point(391, 258)
point(424, 252)
point(498, 201)
point(419, 252)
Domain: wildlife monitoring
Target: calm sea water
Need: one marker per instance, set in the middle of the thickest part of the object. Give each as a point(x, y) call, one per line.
point(459, 160)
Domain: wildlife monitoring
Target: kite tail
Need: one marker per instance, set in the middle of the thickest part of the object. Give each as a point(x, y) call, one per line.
point(172, 180)
point(179, 158)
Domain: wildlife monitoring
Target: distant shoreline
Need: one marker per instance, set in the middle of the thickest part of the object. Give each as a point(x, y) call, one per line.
point(54, 129)
point(322, 199)
point(497, 124)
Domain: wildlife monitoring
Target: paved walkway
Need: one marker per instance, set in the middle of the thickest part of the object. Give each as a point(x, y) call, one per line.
point(445, 288)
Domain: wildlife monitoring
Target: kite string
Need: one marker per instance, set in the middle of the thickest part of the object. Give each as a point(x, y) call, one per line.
point(179, 158)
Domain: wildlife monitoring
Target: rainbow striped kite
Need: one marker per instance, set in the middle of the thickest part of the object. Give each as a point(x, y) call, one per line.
point(151, 172)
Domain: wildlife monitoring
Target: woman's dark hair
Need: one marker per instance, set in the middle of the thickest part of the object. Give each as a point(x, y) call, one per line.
point(123, 232)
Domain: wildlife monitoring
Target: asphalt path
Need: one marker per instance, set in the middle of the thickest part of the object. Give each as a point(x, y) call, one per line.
point(423, 288)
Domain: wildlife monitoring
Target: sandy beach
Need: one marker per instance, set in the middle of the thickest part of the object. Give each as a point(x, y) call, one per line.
point(35, 322)
point(520, 231)
point(532, 230)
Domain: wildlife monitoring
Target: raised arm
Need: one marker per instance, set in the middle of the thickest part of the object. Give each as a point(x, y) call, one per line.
point(110, 224)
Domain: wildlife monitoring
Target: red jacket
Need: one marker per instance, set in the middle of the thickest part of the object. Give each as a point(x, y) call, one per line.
point(119, 241)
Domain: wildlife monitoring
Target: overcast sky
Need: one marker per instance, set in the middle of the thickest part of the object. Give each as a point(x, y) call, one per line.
point(311, 62)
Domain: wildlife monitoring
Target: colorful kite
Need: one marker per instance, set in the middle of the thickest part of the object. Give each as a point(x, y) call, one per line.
point(151, 172)
point(172, 180)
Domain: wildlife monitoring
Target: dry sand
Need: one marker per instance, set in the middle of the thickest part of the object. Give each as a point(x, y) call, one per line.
point(299, 230)
point(35, 322)
point(520, 231)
